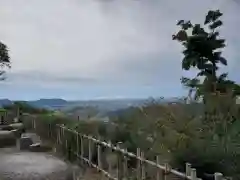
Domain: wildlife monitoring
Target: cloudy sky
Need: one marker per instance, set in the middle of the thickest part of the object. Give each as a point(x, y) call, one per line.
point(85, 49)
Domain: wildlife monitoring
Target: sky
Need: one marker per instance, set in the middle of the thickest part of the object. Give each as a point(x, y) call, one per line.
point(93, 49)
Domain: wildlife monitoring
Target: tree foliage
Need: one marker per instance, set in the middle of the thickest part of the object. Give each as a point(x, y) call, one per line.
point(203, 51)
point(4, 59)
point(220, 126)
point(24, 107)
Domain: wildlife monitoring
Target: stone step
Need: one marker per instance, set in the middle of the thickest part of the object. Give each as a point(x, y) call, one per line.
point(30, 141)
point(38, 147)
point(35, 138)
point(25, 143)
point(6, 127)
point(16, 125)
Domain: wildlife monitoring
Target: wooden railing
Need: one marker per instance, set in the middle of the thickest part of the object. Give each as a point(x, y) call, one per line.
point(90, 151)
point(85, 147)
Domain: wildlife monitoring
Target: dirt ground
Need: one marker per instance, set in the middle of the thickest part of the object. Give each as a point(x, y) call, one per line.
point(17, 165)
point(23, 165)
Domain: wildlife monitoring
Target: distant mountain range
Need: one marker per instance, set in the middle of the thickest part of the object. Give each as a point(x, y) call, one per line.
point(5, 102)
point(48, 103)
point(92, 109)
point(109, 105)
point(42, 103)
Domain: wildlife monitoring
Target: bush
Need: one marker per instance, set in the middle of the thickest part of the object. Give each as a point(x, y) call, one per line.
point(182, 133)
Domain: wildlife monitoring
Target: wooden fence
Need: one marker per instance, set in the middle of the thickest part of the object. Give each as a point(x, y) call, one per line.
point(85, 148)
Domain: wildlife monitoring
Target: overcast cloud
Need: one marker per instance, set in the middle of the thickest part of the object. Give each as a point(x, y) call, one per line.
point(92, 48)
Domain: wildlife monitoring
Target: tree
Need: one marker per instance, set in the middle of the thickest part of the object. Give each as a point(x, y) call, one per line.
point(203, 50)
point(24, 107)
point(4, 59)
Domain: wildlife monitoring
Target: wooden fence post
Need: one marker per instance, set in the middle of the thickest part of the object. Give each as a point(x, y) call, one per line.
point(109, 160)
point(67, 144)
point(77, 139)
point(82, 149)
point(166, 171)
point(188, 169)
point(160, 173)
point(143, 173)
point(193, 174)
point(218, 176)
point(119, 163)
point(32, 128)
point(61, 135)
point(63, 131)
point(58, 135)
point(125, 166)
point(57, 140)
point(34, 124)
point(99, 156)
point(90, 152)
point(51, 131)
point(138, 164)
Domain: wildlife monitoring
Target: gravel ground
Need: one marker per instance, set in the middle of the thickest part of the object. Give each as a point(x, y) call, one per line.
point(32, 166)
point(24, 165)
